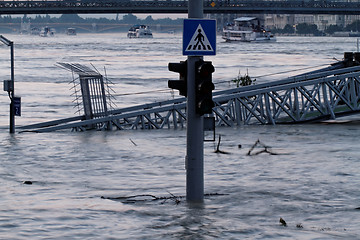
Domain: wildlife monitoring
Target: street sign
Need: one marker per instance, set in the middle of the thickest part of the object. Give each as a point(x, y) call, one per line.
point(17, 106)
point(199, 37)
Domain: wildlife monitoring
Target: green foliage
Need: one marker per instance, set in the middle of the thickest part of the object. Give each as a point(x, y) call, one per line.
point(129, 18)
point(70, 18)
point(243, 80)
point(149, 19)
point(333, 28)
point(353, 27)
point(288, 29)
point(304, 28)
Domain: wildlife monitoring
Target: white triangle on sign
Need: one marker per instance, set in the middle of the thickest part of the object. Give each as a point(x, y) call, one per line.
point(199, 42)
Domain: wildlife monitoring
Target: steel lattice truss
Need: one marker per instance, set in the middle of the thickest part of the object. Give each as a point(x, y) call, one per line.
point(294, 101)
point(179, 6)
point(312, 97)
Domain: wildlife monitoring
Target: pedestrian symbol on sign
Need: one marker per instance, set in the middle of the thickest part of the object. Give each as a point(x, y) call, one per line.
point(199, 41)
point(199, 37)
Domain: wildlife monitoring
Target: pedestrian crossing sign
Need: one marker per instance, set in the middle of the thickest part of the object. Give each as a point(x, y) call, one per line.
point(199, 37)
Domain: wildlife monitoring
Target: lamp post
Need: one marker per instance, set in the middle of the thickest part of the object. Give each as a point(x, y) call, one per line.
point(9, 85)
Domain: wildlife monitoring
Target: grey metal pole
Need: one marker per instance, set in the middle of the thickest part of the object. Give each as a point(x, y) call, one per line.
point(194, 142)
point(12, 112)
point(195, 134)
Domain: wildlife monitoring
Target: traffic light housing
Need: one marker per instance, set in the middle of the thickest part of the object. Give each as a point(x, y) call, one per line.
point(204, 87)
point(180, 84)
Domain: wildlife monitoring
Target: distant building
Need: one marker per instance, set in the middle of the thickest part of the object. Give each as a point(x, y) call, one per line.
point(279, 21)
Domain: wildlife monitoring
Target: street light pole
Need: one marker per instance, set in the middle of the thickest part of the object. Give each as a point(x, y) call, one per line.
point(10, 87)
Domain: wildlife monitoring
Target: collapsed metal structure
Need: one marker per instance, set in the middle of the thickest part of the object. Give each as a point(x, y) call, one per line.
point(324, 94)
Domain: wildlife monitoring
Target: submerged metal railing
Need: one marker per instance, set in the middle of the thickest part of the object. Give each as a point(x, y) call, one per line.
point(325, 94)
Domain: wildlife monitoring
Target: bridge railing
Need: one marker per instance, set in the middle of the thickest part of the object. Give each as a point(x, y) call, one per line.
point(315, 96)
point(168, 6)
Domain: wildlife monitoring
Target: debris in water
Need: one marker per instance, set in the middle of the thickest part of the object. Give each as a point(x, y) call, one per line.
point(150, 198)
point(282, 221)
point(218, 147)
point(132, 142)
point(175, 198)
point(265, 150)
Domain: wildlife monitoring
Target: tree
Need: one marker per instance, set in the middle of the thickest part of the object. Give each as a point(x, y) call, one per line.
point(288, 29)
point(304, 28)
point(70, 18)
point(354, 26)
point(129, 18)
point(333, 28)
point(149, 20)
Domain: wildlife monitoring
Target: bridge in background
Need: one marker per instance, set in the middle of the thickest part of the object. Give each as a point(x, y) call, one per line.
point(324, 94)
point(175, 6)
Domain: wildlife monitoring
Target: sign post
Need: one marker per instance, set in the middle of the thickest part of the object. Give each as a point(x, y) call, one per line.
point(199, 38)
point(9, 85)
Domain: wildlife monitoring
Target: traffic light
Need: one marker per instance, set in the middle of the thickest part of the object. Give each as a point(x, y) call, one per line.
point(180, 84)
point(204, 87)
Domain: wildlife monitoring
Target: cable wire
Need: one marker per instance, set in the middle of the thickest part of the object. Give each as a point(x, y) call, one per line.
point(138, 93)
point(167, 89)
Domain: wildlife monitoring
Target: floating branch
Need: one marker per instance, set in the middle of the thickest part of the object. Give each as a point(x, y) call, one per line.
point(175, 198)
point(151, 198)
point(132, 142)
point(218, 147)
point(265, 150)
point(133, 198)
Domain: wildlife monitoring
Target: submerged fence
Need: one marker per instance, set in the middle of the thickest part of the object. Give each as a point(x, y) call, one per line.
point(324, 94)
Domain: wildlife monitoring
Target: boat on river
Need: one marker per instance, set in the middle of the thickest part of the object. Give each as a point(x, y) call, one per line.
point(47, 31)
point(71, 31)
point(139, 31)
point(247, 29)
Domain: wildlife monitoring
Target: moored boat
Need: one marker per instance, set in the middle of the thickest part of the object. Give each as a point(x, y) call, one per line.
point(47, 31)
point(71, 31)
point(247, 29)
point(139, 31)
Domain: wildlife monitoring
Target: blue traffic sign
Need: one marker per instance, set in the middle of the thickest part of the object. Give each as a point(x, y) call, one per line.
point(199, 37)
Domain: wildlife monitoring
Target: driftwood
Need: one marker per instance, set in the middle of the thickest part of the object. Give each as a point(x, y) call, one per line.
point(150, 198)
point(265, 150)
point(218, 147)
point(132, 142)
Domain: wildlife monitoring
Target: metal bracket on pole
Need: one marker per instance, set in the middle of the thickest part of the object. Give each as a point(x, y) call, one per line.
point(8, 86)
point(209, 129)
